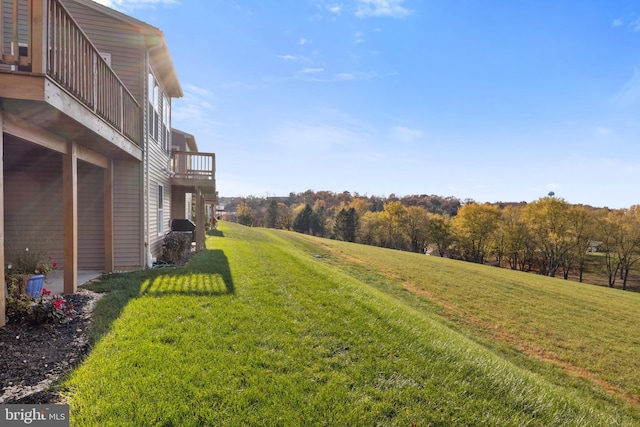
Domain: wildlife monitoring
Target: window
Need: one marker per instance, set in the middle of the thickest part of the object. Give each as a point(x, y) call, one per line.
point(154, 106)
point(160, 210)
point(166, 122)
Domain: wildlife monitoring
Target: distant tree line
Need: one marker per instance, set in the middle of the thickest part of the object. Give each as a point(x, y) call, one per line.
point(549, 236)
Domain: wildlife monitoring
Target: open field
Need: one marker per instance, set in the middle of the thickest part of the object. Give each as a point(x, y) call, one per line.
point(275, 328)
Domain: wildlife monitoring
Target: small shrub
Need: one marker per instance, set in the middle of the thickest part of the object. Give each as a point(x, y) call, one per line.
point(175, 246)
point(52, 309)
point(20, 307)
point(18, 304)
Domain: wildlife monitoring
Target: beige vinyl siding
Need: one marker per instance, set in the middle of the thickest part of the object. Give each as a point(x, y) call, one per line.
point(33, 197)
point(90, 216)
point(127, 189)
point(158, 163)
point(158, 175)
point(121, 40)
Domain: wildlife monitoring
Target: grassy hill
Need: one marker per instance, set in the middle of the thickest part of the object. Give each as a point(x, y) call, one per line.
point(275, 328)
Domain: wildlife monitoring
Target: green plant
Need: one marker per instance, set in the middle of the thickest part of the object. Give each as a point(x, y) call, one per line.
point(51, 309)
point(174, 246)
point(18, 304)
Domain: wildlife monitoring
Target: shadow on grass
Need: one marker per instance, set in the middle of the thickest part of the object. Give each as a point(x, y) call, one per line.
point(216, 233)
point(206, 275)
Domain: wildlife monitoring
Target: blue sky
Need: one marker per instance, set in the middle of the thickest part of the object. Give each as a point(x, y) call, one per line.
point(490, 100)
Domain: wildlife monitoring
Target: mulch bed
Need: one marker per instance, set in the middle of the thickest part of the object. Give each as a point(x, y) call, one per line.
point(34, 356)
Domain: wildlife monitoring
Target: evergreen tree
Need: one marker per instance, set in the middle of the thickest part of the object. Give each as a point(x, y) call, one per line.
point(302, 222)
point(346, 224)
point(272, 214)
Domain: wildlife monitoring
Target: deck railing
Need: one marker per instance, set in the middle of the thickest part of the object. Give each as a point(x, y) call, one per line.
point(40, 36)
point(193, 165)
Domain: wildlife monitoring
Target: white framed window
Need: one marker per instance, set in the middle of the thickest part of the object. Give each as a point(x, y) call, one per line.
point(166, 123)
point(154, 107)
point(160, 210)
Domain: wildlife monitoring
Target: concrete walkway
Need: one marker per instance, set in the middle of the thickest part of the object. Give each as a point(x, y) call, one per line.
point(55, 279)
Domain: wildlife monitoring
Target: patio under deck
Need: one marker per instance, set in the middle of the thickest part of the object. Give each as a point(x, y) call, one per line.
point(55, 279)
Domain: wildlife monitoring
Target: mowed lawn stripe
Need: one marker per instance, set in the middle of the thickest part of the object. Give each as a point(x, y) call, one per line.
point(259, 331)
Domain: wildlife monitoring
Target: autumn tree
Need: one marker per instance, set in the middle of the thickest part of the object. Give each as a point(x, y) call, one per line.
point(548, 220)
point(439, 232)
point(610, 228)
point(581, 227)
point(474, 227)
point(284, 217)
point(621, 243)
point(372, 229)
point(629, 245)
point(245, 214)
point(417, 228)
point(517, 245)
point(394, 217)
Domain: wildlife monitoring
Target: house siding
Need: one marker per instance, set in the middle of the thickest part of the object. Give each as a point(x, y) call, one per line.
point(157, 164)
point(128, 246)
point(90, 217)
point(158, 160)
point(33, 198)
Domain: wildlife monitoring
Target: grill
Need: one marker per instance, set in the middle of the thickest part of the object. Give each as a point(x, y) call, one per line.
point(184, 226)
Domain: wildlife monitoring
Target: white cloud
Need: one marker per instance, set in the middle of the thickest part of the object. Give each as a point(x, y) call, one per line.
point(311, 70)
point(303, 41)
point(125, 5)
point(390, 8)
point(334, 8)
point(617, 22)
point(194, 110)
point(287, 57)
point(635, 25)
point(359, 37)
point(405, 134)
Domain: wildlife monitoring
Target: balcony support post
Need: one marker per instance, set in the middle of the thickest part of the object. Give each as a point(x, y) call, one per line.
point(38, 43)
point(70, 203)
point(3, 319)
point(109, 264)
point(200, 222)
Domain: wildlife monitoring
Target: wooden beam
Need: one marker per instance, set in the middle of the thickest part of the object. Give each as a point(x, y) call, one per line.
point(109, 265)
point(23, 86)
point(38, 45)
point(92, 157)
point(3, 319)
point(70, 208)
point(200, 221)
point(14, 125)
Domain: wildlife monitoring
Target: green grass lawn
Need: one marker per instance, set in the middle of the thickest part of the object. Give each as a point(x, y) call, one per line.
point(275, 328)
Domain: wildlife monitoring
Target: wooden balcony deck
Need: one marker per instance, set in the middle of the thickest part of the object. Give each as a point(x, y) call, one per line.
point(40, 38)
point(194, 170)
